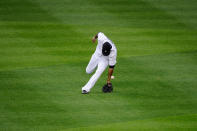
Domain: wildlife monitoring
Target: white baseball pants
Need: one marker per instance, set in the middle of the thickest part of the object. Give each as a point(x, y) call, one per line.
point(101, 62)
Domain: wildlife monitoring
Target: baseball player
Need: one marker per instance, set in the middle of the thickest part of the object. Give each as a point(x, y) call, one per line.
point(104, 55)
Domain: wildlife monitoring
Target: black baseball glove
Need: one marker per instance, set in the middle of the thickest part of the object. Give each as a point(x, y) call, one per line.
point(107, 88)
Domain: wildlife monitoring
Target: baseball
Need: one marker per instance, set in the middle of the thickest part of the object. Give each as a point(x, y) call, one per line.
point(112, 77)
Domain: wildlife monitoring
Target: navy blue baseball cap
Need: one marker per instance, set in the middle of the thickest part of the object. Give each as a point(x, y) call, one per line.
point(106, 48)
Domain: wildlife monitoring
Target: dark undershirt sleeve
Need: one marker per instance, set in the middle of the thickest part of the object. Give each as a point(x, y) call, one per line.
point(111, 66)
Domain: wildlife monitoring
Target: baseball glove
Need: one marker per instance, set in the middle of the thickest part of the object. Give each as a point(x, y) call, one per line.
point(107, 88)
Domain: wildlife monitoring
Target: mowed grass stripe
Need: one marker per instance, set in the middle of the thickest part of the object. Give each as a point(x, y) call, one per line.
point(182, 10)
point(125, 13)
point(23, 10)
point(181, 123)
point(140, 14)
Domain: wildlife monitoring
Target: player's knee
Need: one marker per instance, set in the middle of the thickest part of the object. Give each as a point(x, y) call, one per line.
point(88, 71)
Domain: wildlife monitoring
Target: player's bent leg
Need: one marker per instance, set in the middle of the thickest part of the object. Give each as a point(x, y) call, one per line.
point(92, 64)
point(101, 67)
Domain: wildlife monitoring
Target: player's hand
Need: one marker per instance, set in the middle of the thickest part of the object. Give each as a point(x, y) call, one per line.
point(109, 84)
point(93, 39)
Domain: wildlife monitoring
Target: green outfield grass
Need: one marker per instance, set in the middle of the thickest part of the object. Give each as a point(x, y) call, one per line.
point(45, 46)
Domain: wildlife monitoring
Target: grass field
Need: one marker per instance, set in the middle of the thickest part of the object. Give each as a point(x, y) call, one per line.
point(45, 46)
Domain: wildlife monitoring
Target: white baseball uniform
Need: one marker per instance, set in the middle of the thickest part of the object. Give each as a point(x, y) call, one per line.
point(100, 61)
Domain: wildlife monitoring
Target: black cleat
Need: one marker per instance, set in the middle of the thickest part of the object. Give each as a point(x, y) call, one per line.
point(84, 92)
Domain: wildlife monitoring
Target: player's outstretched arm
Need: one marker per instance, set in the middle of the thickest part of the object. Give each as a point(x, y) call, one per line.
point(110, 72)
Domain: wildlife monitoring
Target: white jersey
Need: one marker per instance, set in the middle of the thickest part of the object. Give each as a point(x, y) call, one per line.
point(101, 40)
